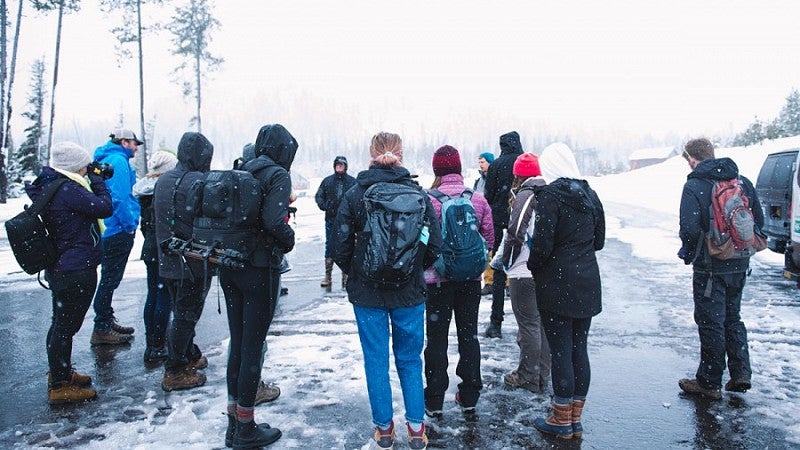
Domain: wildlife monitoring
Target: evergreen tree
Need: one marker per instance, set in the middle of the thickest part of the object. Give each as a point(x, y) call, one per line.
point(26, 160)
point(191, 27)
point(789, 119)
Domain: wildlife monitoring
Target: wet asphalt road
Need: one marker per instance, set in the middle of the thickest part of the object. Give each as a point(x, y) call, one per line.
point(639, 348)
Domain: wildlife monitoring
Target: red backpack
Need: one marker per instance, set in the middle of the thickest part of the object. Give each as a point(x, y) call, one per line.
point(732, 231)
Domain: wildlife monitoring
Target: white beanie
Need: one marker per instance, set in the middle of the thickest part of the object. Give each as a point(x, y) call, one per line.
point(161, 161)
point(69, 157)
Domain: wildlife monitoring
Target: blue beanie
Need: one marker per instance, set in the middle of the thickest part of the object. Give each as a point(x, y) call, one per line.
point(488, 156)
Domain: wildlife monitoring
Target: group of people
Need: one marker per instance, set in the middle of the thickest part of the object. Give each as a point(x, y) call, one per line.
point(542, 227)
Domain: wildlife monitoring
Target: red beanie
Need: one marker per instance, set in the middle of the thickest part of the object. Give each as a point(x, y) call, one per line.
point(446, 161)
point(527, 165)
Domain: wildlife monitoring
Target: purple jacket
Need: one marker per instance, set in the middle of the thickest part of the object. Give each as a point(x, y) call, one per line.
point(71, 217)
point(453, 185)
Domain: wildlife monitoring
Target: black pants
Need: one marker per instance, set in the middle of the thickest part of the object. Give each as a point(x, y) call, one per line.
point(569, 358)
point(459, 298)
point(250, 298)
point(722, 333)
point(188, 300)
point(72, 294)
point(499, 283)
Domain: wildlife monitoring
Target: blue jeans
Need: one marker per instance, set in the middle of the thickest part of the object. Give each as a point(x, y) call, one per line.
point(721, 329)
point(157, 307)
point(407, 327)
point(116, 250)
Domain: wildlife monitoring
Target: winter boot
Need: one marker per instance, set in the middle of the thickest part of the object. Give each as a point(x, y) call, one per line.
point(68, 392)
point(230, 432)
point(77, 379)
point(417, 440)
point(577, 410)
point(559, 424)
point(344, 280)
point(493, 330)
point(155, 354)
point(328, 269)
point(384, 439)
point(185, 378)
point(251, 435)
point(693, 387)
point(266, 393)
point(121, 329)
point(109, 337)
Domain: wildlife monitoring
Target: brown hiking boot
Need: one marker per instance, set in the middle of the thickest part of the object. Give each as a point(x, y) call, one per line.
point(109, 337)
point(266, 393)
point(199, 363)
point(738, 385)
point(185, 378)
point(69, 392)
point(693, 387)
point(121, 329)
point(78, 379)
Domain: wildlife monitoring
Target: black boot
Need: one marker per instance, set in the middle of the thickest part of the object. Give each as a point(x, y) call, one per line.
point(251, 435)
point(230, 432)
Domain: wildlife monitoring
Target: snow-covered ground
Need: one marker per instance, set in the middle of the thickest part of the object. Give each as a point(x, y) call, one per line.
point(194, 420)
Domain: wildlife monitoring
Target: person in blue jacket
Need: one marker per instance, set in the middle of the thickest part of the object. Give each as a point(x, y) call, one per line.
point(118, 237)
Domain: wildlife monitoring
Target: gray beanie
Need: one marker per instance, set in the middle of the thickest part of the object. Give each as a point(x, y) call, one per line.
point(161, 161)
point(69, 157)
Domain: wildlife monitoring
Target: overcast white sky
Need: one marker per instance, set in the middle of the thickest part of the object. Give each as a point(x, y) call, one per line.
point(647, 67)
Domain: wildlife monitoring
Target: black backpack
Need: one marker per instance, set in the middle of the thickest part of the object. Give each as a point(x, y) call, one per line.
point(227, 207)
point(30, 241)
point(389, 246)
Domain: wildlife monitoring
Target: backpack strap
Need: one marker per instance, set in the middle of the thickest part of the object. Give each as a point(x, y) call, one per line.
point(438, 195)
point(38, 205)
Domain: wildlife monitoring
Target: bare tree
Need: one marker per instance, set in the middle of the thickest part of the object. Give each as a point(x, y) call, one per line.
point(131, 8)
point(3, 66)
point(62, 6)
point(191, 27)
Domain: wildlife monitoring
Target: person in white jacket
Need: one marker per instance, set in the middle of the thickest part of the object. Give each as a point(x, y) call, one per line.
point(533, 370)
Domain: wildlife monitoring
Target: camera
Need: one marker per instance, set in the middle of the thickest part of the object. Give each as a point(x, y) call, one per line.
point(103, 170)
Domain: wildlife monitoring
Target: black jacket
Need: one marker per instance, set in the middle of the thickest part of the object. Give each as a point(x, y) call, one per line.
point(570, 228)
point(350, 220)
point(331, 191)
point(194, 161)
point(695, 214)
point(275, 147)
point(500, 176)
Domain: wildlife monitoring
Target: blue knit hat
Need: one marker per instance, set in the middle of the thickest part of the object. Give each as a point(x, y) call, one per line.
point(488, 156)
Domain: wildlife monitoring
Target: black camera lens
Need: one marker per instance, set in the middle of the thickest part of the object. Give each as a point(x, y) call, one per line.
point(103, 170)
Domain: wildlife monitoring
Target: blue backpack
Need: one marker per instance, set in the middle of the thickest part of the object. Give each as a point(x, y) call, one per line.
point(464, 250)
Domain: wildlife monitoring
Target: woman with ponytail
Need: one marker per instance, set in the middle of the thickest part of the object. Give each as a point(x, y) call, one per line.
point(379, 310)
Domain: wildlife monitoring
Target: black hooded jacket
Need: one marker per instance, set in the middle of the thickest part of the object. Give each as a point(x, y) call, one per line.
point(695, 214)
point(275, 147)
point(332, 189)
point(169, 202)
point(351, 218)
point(570, 227)
point(500, 176)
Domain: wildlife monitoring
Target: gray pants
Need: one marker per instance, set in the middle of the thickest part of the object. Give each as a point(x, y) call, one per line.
point(534, 353)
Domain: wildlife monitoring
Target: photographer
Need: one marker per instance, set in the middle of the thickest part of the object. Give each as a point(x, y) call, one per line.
point(118, 237)
point(74, 219)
